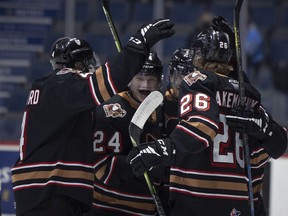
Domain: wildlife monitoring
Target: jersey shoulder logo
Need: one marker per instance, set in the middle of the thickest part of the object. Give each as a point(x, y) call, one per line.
point(114, 110)
point(193, 77)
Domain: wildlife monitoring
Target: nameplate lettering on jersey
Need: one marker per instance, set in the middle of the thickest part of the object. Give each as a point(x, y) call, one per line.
point(33, 98)
point(193, 77)
point(231, 99)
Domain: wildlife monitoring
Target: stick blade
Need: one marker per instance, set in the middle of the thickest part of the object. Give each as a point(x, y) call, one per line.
point(145, 109)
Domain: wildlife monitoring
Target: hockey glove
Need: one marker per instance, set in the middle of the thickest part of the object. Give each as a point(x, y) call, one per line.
point(256, 123)
point(148, 155)
point(149, 34)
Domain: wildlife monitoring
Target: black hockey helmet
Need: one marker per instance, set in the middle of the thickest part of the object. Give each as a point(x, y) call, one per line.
point(152, 65)
point(181, 62)
point(214, 45)
point(65, 52)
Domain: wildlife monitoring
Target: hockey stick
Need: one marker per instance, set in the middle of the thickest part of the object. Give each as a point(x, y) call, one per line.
point(237, 10)
point(145, 109)
point(106, 9)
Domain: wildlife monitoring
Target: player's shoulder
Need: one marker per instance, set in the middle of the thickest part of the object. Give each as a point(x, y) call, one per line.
point(201, 78)
point(71, 74)
point(115, 108)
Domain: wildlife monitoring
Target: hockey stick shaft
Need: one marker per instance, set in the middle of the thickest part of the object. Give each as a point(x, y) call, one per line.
point(156, 198)
point(237, 10)
point(135, 130)
point(146, 108)
point(106, 9)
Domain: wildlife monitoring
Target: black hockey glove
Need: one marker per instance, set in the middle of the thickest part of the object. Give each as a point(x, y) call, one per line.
point(256, 123)
point(149, 34)
point(148, 155)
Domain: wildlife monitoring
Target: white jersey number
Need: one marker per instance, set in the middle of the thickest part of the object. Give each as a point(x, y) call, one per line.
point(200, 102)
point(221, 144)
point(23, 136)
point(101, 144)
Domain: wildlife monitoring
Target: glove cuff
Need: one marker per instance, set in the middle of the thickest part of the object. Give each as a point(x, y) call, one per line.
point(166, 148)
point(136, 44)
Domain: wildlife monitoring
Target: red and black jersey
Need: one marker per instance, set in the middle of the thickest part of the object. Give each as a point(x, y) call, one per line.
point(209, 163)
point(116, 189)
point(56, 152)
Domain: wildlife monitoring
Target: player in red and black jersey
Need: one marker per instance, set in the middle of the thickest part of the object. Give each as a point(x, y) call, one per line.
point(54, 173)
point(116, 190)
point(179, 66)
point(208, 173)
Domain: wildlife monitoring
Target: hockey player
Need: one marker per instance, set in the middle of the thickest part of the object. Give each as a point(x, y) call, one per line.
point(116, 190)
point(179, 66)
point(54, 173)
point(208, 175)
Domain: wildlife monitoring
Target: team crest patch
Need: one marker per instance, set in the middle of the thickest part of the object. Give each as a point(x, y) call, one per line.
point(193, 77)
point(114, 110)
point(234, 212)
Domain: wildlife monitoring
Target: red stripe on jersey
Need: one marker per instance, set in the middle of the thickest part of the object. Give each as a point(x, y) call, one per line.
point(52, 182)
point(122, 193)
point(209, 195)
point(112, 85)
point(207, 173)
point(51, 164)
point(92, 90)
point(112, 166)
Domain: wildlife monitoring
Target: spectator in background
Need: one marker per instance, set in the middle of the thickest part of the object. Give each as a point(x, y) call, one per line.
point(253, 46)
point(202, 23)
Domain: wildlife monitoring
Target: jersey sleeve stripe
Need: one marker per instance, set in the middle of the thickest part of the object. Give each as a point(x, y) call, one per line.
point(101, 85)
point(93, 92)
point(207, 173)
point(260, 158)
point(209, 195)
point(259, 165)
point(52, 182)
point(193, 134)
point(204, 128)
point(48, 174)
point(135, 204)
point(113, 87)
point(52, 165)
point(203, 119)
point(209, 184)
point(109, 190)
point(112, 165)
